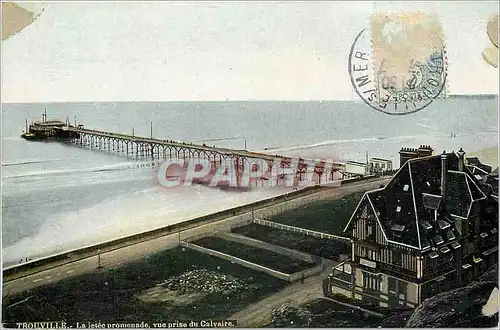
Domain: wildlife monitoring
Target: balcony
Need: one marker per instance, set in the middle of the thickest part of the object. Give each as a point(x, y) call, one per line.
point(341, 275)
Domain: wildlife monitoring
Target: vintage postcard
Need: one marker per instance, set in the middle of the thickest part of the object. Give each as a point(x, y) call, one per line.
point(250, 164)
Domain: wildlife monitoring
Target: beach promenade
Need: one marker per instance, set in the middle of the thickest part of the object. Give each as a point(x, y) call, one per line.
point(118, 256)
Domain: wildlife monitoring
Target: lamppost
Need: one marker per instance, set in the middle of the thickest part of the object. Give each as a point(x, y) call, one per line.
point(99, 259)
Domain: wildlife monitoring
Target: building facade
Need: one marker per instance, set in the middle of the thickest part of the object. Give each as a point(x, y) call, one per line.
point(356, 168)
point(432, 228)
point(380, 165)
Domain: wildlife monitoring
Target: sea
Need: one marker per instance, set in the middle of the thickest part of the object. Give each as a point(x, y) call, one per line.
point(58, 197)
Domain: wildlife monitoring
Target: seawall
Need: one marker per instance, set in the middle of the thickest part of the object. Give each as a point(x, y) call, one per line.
point(237, 216)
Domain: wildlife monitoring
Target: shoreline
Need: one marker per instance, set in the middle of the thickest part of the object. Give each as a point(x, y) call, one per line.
point(80, 261)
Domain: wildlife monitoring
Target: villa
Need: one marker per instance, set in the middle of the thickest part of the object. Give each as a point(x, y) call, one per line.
point(432, 228)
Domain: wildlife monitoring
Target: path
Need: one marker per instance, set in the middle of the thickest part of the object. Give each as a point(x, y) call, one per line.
point(258, 314)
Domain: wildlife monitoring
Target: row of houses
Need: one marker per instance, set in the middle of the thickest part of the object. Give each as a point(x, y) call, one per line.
point(373, 166)
point(432, 228)
point(380, 165)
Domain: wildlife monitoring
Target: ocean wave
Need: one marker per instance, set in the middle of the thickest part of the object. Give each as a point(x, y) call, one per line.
point(120, 216)
point(25, 162)
point(105, 168)
point(333, 142)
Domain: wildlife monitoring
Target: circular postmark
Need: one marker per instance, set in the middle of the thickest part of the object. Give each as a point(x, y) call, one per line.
point(395, 94)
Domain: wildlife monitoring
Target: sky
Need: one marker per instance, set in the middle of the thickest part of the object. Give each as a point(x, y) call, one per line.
point(112, 51)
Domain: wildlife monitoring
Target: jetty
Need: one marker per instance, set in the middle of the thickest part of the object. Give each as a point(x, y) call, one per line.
point(150, 148)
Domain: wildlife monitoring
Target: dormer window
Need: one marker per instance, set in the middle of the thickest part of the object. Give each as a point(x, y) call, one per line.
point(445, 249)
point(406, 187)
point(438, 239)
point(397, 230)
point(443, 224)
point(426, 225)
point(449, 235)
point(397, 227)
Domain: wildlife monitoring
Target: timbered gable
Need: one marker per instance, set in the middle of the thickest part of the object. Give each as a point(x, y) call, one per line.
point(364, 224)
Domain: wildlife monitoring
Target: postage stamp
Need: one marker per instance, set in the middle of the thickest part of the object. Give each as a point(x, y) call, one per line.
point(398, 65)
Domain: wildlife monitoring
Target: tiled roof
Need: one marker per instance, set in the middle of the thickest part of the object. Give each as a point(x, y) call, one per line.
point(475, 162)
point(410, 208)
point(474, 189)
point(472, 160)
point(492, 181)
point(457, 197)
point(476, 170)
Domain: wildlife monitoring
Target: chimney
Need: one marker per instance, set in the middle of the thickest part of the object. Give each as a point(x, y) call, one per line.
point(425, 151)
point(461, 154)
point(443, 174)
point(406, 154)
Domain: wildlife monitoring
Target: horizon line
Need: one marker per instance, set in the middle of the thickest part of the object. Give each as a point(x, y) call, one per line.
point(492, 95)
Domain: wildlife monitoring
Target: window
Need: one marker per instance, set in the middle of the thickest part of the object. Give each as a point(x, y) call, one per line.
point(383, 165)
point(367, 253)
point(392, 284)
point(370, 230)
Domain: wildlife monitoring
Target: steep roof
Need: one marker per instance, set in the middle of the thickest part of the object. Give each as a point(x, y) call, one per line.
point(410, 208)
point(475, 162)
